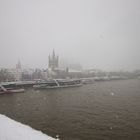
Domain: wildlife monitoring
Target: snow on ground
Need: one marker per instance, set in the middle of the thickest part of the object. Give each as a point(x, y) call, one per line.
point(12, 130)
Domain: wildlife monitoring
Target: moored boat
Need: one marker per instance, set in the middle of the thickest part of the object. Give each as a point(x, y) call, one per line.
point(88, 80)
point(10, 89)
point(58, 83)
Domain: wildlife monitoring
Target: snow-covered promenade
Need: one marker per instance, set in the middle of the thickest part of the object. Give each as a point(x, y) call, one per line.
point(12, 130)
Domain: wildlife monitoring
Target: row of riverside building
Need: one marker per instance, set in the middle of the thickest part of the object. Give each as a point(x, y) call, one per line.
point(54, 71)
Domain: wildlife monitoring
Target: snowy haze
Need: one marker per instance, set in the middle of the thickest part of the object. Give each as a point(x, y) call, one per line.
point(100, 34)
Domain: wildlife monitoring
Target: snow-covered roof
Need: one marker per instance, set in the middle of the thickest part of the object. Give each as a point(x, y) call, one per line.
point(12, 130)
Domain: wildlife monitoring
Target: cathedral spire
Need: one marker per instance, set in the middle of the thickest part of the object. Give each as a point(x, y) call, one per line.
point(53, 53)
point(53, 61)
point(18, 65)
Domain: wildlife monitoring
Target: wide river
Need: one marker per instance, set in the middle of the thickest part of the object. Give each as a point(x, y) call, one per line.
point(102, 111)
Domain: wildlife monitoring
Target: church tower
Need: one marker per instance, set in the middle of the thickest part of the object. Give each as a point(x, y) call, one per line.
point(53, 61)
point(18, 74)
point(18, 65)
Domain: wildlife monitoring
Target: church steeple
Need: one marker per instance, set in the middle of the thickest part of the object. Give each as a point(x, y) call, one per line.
point(18, 65)
point(18, 74)
point(53, 53)
point(53, 61)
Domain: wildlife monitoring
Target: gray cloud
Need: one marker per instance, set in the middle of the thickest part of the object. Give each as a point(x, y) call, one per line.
point(95, 33)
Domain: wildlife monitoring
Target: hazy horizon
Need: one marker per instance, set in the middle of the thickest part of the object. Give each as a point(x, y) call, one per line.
point(98, 34)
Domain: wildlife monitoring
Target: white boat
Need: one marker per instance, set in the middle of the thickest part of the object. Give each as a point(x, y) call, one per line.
point(58, 83)
point(88, 80)
point(10, 90)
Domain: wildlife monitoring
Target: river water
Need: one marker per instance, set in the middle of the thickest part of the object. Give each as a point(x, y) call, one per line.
point(102, 111)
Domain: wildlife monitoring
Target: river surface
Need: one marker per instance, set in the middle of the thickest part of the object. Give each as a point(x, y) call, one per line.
point(102, 111)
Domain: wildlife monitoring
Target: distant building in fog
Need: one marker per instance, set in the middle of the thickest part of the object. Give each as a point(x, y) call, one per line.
point(53, 61)
point(54, 71)
point(18, 72)
point(53, 65)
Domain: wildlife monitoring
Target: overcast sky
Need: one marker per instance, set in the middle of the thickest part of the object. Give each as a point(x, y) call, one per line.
point(103, 34)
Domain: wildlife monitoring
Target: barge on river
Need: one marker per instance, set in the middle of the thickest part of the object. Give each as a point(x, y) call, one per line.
point(10, 88)
point(58, 83)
